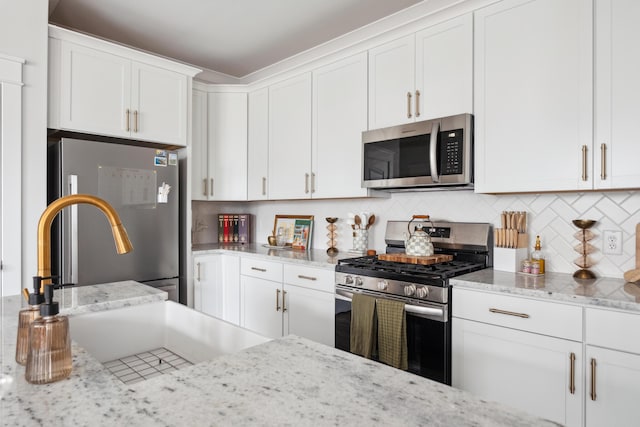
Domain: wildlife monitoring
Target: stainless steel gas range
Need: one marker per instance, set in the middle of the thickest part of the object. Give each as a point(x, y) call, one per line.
point(424, 290)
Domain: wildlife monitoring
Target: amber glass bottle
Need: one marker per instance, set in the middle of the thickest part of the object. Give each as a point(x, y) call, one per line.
point(537, 254)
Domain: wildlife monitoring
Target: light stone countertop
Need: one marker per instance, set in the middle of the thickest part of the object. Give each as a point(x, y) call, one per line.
point(603, 292)
point(289, 381)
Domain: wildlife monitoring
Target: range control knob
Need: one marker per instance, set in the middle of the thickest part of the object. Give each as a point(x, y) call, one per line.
point(358, 281)
point(383, 285)
point(422, 292)
point(409, 290)
point(348, 280)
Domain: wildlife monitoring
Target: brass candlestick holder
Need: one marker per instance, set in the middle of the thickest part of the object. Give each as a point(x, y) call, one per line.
point(332, 250)
point(584, 248)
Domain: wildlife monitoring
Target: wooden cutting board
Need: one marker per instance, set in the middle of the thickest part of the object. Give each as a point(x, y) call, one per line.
point(411, 259)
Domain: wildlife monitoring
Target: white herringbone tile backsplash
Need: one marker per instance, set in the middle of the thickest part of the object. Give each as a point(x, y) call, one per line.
point(549, 215)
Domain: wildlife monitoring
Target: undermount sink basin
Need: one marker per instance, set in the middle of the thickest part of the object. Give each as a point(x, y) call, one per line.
point(196, 337)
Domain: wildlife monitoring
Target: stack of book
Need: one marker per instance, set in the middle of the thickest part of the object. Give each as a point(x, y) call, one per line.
point(234, 228)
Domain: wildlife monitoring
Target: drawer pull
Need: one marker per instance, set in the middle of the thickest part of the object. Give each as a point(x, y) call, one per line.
point(263, 270)
point(509, 313)
point(572, 373)
point(300, 276)
point(277, 299)
point(593, 379)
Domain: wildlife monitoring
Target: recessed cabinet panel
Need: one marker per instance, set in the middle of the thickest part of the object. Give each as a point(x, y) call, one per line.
point(258, 151)
point(199, 148)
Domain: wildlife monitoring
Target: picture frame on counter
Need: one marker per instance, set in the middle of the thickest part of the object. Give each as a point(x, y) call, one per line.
point(293, 230)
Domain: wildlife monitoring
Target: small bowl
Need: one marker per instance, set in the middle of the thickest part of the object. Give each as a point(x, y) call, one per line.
point(583, 223)
point(271, 240)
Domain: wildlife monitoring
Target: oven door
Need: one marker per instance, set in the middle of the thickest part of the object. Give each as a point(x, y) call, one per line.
point(428, 334)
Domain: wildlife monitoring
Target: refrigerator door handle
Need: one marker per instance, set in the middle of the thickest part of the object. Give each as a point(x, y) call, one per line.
point(72, 271)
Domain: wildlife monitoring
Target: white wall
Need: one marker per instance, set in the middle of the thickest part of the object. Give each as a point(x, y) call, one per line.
point(23, 33)
point(550, 216)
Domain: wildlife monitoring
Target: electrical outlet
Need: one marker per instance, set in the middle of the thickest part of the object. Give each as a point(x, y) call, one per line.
point(612, 244)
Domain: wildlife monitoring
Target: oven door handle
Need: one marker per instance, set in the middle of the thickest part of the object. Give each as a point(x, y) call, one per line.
point(439, 314)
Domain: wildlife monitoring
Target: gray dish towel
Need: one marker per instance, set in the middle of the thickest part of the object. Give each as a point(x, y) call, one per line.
point(363, 336)
point(392, 333)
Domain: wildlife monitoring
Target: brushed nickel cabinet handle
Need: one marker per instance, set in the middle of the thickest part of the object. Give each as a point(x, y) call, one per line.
point(263, 270)
point(417, 103)
point(603, 161)
point(300, 276)
point(584, 162)
point(277, 299)
point(313, 182)
point(408, 105)
point(211, 188)
point(127, 119)
point(135, 121)
point(593, 379)
point(204, 181)
point(509, 313)
point(198, 264)
point(572, 373)
point(264, 186)
point(284, 306)
point(306, 183)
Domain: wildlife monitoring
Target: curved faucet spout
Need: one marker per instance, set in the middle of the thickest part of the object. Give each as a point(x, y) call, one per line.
point(123, 245)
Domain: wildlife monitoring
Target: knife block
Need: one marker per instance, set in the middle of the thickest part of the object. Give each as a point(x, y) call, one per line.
point(509, 259)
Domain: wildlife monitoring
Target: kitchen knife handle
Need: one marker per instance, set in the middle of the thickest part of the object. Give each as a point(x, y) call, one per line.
point(306, 183)
point(127, 119)
point(417, 103)
point(264, 186)
point(593, 379)
point(277, 299)
point(572, 373)
point(284, 304)
point(135, 121)
point(584, 162)
point(603, 161)
point(408, 105)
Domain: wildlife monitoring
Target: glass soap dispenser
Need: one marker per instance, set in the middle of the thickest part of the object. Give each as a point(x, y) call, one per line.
point(25, 317)
point(49, 357)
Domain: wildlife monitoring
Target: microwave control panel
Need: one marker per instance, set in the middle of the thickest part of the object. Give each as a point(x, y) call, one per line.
point(451, 143)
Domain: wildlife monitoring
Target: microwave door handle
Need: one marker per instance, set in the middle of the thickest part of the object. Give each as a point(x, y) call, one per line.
point(433, 151)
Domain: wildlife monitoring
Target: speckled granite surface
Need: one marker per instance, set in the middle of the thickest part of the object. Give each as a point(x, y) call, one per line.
point(290, 381)
point(603, 292)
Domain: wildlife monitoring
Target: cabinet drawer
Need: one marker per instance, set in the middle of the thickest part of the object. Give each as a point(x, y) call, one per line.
point(613, 329)
point(261, 269)
point(542, 317)
point(308, 277)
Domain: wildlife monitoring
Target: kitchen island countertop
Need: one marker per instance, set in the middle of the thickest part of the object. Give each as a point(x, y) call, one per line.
point(289, 381)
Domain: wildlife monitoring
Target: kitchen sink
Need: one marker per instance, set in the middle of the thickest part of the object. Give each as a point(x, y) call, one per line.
point(194, 336)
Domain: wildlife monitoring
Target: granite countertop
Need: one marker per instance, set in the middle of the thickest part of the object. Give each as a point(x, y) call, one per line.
point(289, 381)
point(312, 257)
point(604, 292)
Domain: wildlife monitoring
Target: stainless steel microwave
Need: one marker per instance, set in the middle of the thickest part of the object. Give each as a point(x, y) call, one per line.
point(429, 153)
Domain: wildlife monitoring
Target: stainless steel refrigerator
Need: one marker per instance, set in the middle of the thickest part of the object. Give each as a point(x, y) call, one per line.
point(141, 183)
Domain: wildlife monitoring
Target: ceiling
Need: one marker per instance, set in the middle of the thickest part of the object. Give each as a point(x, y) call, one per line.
point(234, 37)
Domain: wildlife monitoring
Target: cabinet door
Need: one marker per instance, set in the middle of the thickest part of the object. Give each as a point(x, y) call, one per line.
point(258, 150)
point(444, 69)
point(95, 91)
point(392, 83)
point(533, 96)
point(261, 306)
point(339, 117)
point(207, 284)
point(613, 395)
point(199, 146)
point(309, 314)
point(159, 102)
point(527, 371)
point(616, 147)
point(290, 139)
point(227, 146)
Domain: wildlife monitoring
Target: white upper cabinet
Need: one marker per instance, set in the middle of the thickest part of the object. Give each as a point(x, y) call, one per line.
point(617, 58)
point(533, 96)
point(258, 153)
point(290, 174)
point(101, 88)
point(339, 117)
point(422, 76)
point(199, 164)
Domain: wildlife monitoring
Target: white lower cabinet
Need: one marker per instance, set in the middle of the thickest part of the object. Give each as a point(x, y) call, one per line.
point(511, 350)
point(280, 299)
point(216, 286)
